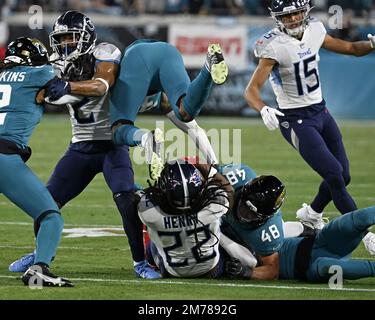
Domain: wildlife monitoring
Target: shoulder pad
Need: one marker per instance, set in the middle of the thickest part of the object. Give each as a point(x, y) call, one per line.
point(317, 24)
point(263, 47)
point(107, 52)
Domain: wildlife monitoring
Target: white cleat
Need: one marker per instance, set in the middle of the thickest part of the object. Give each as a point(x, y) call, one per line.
point(151, 142)
point(369, 242)
point(310, 218)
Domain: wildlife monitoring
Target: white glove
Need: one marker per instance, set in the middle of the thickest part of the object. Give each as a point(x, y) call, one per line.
point(269, 117)
point(372, 40)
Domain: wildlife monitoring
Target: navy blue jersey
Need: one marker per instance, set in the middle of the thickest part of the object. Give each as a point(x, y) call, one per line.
point(19, 112)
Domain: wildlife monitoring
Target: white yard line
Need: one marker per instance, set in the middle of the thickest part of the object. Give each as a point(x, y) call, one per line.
point(67, 248)
point(65, 225)
point(213, 284)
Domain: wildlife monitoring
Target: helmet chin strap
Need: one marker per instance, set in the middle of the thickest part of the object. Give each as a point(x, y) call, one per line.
point(296, 32)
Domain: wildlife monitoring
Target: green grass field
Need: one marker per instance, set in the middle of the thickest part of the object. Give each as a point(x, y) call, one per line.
point(101, 267)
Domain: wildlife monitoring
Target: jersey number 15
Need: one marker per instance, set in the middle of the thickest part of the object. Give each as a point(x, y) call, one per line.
point(308, 72)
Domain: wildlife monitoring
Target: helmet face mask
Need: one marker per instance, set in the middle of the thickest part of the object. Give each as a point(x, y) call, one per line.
point(291, 16)
point(73, 35)
point(260, 199)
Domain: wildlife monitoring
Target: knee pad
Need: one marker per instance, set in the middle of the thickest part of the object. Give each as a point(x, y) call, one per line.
point(51, 214)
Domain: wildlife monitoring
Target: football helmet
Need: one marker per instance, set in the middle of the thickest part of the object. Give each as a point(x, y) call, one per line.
point(181, 184)
point(281, 8)
point(260, 199)
point(26, 51)
point(79, 32)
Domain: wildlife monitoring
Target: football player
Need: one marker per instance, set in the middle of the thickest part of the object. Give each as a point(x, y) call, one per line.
point(240, 174)
point(182, 213)
point(307, 258)
point(89, 70)
point(289, 55)
point(150, 66)
point(22, 74)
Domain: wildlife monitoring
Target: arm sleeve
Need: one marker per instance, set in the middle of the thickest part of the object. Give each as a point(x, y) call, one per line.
point(64, 100)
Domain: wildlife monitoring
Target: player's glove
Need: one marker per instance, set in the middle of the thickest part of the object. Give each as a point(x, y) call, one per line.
point(56, 88)
point(269, 116)
point(235, 270)
point(372, 40)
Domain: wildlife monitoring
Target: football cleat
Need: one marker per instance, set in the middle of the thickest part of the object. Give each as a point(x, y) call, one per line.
point(369, 242)
point(156, 167)
point(22, 264)
point(145, 271)
point(215, 64)
point(310, 218)
point(39, 275)
point(151, 142)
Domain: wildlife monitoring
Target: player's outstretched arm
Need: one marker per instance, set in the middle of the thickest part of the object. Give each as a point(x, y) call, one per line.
point(252, 93)
point(358, 48)
point(260, 75)
point(103, 79)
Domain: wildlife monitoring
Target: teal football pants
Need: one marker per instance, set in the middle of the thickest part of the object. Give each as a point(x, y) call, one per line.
point(21, 186)
point(335, 243)
point(148, 68)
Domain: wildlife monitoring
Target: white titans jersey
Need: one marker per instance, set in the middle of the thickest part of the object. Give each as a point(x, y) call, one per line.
point(90, 115)
point(188, 244)
point(295, 77)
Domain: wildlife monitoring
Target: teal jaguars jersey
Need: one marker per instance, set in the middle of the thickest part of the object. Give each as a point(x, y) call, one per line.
point(237, 174)
point(19, 113)
point(264, 240)
point(287, 257)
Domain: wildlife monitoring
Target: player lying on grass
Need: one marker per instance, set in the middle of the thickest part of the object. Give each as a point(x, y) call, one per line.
point(177, 231)
point(183, 213)
point(256, 221)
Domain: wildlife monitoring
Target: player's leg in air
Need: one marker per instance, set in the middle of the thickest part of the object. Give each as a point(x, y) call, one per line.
point(191, 128)
point(335, 243)
point(153, 67)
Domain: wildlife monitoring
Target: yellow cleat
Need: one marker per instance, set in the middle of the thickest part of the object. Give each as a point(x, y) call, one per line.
point(216, 64)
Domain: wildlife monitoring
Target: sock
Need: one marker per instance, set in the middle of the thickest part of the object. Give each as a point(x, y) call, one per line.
point(198, 135)
point(197, 93)
point(48, 237)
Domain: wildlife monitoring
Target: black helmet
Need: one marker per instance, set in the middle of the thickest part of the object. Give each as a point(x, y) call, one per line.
point(181, 184)
point(260, 199)
point(27, 51)
point(280, 8)
point(82, 30)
